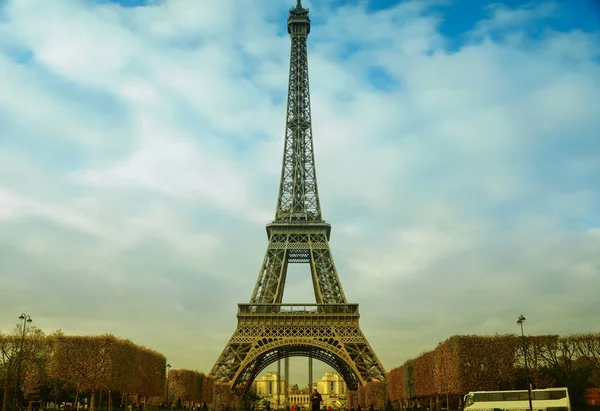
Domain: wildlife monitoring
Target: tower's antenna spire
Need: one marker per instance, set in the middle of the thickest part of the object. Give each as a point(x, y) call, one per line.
point(299, 10)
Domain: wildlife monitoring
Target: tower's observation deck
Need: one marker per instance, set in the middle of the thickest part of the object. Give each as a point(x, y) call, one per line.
point(298, 22)
point(298, 313)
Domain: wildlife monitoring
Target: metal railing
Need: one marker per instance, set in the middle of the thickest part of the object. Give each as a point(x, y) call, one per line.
point(298, 309)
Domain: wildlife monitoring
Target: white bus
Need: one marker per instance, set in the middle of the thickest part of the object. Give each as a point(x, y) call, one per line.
point(548, 399)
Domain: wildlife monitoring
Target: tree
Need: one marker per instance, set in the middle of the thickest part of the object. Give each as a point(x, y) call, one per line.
point(250, 399)
point(408, 381)
point(376, 394)
point(14, 356)
point(37, 383)
point(207, 389)
point(587, 347)
point(423, 374)
point(9, 353)
point(83, 363)
point(221, 395)
point(395, 381)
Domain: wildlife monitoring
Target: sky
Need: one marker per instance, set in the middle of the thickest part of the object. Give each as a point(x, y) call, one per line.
point(456, 144)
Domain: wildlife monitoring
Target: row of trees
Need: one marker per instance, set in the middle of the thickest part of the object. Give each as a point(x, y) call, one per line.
point(468, 363)
point(191, 387)
point(373, 395)
point(109, 364)
point(54, 367)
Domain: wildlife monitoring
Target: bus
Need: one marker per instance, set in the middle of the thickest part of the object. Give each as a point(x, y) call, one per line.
point(548, 399)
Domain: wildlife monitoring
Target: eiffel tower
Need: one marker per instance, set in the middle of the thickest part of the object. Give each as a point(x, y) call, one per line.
point(268, 330)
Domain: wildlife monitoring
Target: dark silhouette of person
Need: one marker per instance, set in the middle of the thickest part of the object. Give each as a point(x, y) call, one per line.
point(315, 400)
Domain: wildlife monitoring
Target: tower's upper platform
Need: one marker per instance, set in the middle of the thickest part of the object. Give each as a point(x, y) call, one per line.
point(298, 20)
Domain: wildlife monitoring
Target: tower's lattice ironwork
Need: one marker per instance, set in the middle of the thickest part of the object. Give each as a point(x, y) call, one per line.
point(267, 330)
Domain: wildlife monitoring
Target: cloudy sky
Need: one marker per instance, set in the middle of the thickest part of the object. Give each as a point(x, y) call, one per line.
point(457, 147)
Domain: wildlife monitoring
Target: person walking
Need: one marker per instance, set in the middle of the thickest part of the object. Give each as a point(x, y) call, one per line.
point(316, 400)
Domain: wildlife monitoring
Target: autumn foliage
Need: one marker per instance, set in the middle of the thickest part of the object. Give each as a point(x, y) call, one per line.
point(469, 363)
point(352, 399)
point(361, 397)
point(56, 364)
point(34, 350)
point(107, 363)
point(104, 368)
point(375, 394)
point(222, 395)
point(192, 387)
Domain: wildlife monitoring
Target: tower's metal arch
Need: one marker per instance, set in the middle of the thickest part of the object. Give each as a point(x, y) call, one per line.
point(286, 349)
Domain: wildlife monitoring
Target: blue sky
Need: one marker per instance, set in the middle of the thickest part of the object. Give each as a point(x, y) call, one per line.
point(457, 153)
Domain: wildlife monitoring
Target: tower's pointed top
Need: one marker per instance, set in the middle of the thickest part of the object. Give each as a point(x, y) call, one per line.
point(299, 10)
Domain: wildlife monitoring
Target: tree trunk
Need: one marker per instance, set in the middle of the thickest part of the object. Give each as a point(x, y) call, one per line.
point(5, 399)
point(92, 400)
point(110, 400)
point(76, 403)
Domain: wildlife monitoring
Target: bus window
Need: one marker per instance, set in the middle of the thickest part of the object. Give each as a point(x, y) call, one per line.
point(557, 395)
point(511, 396)
point(481, 397)
point(541, 395)
point(496, 396)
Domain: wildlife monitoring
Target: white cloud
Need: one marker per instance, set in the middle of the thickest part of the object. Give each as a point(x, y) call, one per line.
point(504, 18)
point(140, 153)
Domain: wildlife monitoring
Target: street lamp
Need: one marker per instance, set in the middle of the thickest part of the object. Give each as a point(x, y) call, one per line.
point(520, 321)
point(167, 399)
point(26, 319)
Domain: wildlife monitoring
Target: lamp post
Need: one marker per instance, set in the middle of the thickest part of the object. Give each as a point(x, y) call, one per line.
point(167, 398)
point(26, 319)
point(520, 321)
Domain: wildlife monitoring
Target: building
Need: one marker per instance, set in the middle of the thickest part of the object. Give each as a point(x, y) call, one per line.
point(266, 386)
point(333, 390)
point(331, 387)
